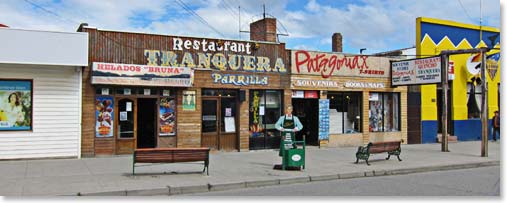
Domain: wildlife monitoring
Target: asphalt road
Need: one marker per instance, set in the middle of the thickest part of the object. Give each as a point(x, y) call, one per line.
point(484, 181)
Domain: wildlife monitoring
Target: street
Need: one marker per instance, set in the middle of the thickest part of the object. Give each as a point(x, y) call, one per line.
point(484, 181)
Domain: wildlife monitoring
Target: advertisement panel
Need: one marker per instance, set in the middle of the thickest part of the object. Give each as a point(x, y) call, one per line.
point(104, 114)
point(141, 75)
point(15, 105)
point(323, 119)
point(416, 71)
point(167, 118)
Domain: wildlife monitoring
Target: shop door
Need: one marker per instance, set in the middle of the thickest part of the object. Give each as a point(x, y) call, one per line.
point(126, 126)
point(146, 124)
point(307, 111)
point(210, 129)
point(219, 123)
point(227, 120)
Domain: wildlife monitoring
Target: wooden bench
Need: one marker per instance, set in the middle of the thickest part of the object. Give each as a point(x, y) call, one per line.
point(171, 155)
point(391, 147)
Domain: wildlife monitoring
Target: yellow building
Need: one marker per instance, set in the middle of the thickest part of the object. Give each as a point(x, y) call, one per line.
point(434, 36)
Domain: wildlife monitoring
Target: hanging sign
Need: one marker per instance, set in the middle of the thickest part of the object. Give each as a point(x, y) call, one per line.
point(311, 94)
point(298, 94)
point(416, 71)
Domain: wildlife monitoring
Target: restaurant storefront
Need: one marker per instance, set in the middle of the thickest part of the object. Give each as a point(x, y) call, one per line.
point(148, 91)
point(346, 100)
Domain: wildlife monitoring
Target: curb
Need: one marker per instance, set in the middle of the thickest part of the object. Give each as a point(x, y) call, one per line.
point(262, 183)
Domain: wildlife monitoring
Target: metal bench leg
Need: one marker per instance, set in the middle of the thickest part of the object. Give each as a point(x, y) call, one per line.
point(398, 157)
point(389, 156)
point(367, 162)
point(357, 160)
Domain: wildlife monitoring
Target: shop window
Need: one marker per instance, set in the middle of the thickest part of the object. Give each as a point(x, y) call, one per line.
point(345, 112)
point(384, 112)
point(221, 93)
point(265, 109)
point(474, 100)
point(104, 90)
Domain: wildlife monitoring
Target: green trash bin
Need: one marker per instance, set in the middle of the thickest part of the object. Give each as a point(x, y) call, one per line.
point(294, 157)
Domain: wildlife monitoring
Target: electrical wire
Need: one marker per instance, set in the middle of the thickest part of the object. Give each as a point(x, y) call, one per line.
point(461, 4)
point(202, 20)
point(50, 12)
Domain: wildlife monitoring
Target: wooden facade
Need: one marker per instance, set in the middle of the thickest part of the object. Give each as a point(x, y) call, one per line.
point(247, 59)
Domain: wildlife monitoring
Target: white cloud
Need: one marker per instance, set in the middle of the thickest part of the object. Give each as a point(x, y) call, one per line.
point(376, 25)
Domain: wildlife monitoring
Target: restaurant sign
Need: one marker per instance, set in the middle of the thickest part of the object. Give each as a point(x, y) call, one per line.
point(336, 64)
point(141, 75)
point(416, 71)
point(216, 54)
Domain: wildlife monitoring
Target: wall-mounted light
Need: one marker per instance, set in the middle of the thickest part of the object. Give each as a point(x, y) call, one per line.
point(257, 46)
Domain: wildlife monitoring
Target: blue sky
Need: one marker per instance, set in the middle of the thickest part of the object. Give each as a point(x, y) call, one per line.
point(377, 25)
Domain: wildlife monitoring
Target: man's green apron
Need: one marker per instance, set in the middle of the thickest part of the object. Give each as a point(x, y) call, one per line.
point(289, 136)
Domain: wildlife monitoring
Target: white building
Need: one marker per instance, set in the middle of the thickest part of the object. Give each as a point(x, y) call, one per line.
point(40, 93)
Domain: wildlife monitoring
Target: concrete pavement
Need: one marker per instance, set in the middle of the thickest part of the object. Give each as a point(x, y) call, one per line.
point(111, 176)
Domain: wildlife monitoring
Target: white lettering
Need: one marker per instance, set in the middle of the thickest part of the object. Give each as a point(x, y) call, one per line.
point(177, 42)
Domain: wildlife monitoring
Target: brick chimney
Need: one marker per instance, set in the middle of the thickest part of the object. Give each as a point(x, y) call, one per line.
point(337, 42)
point(263, 30)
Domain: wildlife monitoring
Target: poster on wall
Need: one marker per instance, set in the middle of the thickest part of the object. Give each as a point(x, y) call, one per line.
point(15, 105)
point(229, 125)
point(104, 115)
point(323, 119)
point(167, 120)
point(189, 100)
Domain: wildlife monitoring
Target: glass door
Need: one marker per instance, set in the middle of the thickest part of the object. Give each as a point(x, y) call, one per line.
point(126, 126)
point(210, 128)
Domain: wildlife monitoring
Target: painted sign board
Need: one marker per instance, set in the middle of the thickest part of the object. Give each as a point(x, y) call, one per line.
point(131, 74)
point(416, 71)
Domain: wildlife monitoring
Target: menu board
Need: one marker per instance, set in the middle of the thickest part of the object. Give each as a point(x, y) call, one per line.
point(229, 124)
point(323, 119)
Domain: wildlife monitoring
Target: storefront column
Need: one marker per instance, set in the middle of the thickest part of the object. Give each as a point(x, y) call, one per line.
point(244, 133)
point(188, 132)
point(404, 116)
point(366, 117)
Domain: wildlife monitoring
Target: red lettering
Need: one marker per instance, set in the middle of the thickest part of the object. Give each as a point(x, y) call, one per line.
point(301, 62)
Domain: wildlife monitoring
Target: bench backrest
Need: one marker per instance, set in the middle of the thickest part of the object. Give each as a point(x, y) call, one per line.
point(379, 147)
point(171, 155)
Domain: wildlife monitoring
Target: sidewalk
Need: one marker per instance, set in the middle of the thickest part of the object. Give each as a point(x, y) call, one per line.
point(228, 170)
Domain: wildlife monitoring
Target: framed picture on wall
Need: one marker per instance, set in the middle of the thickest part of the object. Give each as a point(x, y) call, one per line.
point(15, 105)
point(188, 100)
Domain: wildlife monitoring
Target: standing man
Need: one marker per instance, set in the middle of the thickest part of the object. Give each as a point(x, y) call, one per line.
point(496, 126)
point(288, 124)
